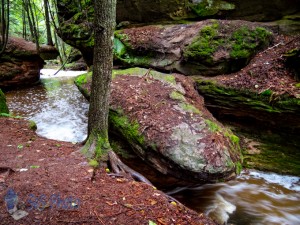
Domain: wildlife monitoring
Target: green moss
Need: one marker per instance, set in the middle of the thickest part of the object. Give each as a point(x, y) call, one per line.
point(129, 129)
point(169, 78)
point(204, 45)
point(267, 92)
point(238, 168)
point(212, 126)
point(283, 159)
point(189, 108)
point(208, 7)
point(32, 125)
point(175, 95)
point(245, 41)
point(234, 139)
point(244, 98)
point(3, 106)
point(297, 85)
point(93, 163)
point(100, 144)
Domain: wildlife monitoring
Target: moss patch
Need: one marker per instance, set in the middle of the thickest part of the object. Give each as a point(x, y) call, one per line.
point(189, 108)
point(245, 41)
point(32, 125)
point(129, 129)
point(250, 99)
point(274, 157)
point(204, 45)
point(212, 126)
point(175, 95)
point(241, 44)
point(209, 8)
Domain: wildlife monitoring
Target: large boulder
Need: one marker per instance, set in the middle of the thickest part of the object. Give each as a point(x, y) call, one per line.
point(265, 95)
point(3, 106)
point(20, 64)
point(76, 20)
point(208, 47)
point(165, 122)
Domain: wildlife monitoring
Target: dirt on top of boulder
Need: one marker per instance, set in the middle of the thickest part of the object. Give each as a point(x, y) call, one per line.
point(268, 70)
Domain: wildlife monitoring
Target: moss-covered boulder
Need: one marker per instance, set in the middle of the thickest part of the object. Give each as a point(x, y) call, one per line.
point(165, 122)
point(266, 110)
point(265, 95)
point(3, 106)
point(207, 48)
point(20, 64)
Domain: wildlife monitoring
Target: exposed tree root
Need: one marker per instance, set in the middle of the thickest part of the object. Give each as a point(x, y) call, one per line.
point(118, 166)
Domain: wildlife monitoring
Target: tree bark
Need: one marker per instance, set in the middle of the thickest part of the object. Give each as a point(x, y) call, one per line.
point(105, 16)
point(47, 20)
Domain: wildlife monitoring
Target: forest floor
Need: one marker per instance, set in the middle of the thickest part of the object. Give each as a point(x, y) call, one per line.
point(55, 185)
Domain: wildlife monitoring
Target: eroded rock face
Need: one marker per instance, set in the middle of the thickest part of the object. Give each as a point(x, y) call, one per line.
point(3, 106)
point(208, 47)
point(20, 64)
point(164, 120)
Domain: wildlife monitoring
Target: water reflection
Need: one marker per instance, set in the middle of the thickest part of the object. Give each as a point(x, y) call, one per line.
point(56, 105)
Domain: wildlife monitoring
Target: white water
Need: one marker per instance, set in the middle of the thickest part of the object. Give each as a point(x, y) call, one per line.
point(57, 107)
point(254, 198)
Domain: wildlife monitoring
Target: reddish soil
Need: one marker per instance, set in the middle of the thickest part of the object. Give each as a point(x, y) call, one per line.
point(89, 196)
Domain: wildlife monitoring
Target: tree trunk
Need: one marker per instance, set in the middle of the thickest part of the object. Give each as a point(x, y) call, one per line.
point(47, 20)
point(4, 24)
point(105, 15)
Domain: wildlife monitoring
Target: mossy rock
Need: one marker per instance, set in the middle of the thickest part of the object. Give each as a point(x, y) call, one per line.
point(164, 120)
point(3, 106)
point(209, 47)
point(252, 109)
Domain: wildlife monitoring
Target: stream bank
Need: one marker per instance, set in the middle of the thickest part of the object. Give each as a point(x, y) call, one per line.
point(207, 198)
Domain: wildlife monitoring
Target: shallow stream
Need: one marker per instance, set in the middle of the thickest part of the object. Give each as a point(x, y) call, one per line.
point(255, 197)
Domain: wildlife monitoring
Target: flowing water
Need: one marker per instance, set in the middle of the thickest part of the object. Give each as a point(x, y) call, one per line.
point(255, 197)
point(57, 107)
